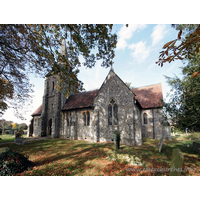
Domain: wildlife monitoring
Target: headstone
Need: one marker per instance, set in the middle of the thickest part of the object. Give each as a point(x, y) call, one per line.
point(18, 138)
point(176, 163)
point(160, 143)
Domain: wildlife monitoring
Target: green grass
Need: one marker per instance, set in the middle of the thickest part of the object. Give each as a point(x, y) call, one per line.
point(9, 138)
point(63, 157)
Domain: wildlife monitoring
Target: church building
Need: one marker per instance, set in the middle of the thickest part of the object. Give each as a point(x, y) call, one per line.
point(95, 115)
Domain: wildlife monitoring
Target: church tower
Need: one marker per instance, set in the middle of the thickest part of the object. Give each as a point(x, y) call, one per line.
point(53, 101)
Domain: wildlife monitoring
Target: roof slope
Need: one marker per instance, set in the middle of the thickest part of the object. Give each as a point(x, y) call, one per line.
point(82, 100)
point(38, 111)
point(149, 96)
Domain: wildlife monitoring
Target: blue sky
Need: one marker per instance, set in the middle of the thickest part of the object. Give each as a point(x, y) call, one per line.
point(137, 51)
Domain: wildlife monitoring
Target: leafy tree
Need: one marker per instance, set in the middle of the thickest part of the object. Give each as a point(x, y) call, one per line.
point(183, 107)
point(34, 48)
point(15, 126)
point(186, 46)
point(23, 126)
point(129, 85)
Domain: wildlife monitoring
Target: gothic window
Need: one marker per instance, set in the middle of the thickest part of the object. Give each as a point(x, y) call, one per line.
point(145, 118)
point(112, 113)
point(86, 118)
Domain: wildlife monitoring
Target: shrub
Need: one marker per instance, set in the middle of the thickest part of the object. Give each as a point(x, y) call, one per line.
point(13, 162)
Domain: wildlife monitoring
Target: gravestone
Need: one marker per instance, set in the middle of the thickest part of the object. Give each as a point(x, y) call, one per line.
point(176, 163)
point(160, 143)
point(19, 139)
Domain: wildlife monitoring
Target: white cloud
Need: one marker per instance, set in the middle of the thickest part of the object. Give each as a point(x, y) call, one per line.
point(121, 44)
point(140, 51)
point(126, 33)
point(158, 33)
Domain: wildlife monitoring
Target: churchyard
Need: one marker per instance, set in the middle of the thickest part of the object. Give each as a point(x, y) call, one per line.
point(9, 138)
point(63, 157)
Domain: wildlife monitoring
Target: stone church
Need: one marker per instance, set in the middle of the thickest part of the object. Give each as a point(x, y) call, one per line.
point(94, 115)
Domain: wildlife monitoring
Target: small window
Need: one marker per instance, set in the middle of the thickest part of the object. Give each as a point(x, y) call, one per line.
point(70, 119)
point(53, 85)
point(67, 119)
point(86, 118)
point(145, 118)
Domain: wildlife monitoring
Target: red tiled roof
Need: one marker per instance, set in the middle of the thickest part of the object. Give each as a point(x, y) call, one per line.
point(149, 96)
point(82, 100)
point(38, 111)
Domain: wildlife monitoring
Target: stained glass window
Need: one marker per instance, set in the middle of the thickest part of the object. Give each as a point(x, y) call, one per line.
point(112, 113)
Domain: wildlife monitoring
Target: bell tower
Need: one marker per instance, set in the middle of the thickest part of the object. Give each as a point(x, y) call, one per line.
point(53, 101)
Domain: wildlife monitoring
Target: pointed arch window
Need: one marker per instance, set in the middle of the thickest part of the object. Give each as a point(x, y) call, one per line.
point(112, 113)
point(145, 118)
point(86, 118)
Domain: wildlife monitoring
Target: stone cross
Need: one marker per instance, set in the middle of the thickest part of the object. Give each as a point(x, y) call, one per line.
point(176, 163)
point(160, 143)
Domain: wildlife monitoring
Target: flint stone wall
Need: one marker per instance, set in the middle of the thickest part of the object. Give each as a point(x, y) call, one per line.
point(114, 88)
point(154, 127)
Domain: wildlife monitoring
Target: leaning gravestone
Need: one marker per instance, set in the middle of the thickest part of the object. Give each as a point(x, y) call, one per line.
point(160, 143)
point(176, 163)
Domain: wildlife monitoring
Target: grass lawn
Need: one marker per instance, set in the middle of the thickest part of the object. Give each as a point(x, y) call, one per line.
point(62, 157)
point(9, 138)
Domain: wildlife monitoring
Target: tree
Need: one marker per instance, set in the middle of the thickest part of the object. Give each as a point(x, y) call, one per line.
point(22, 126)
point(129, 85)
point(188, 47)
point(183, 108)
point(34, 48)
point(5, 125)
